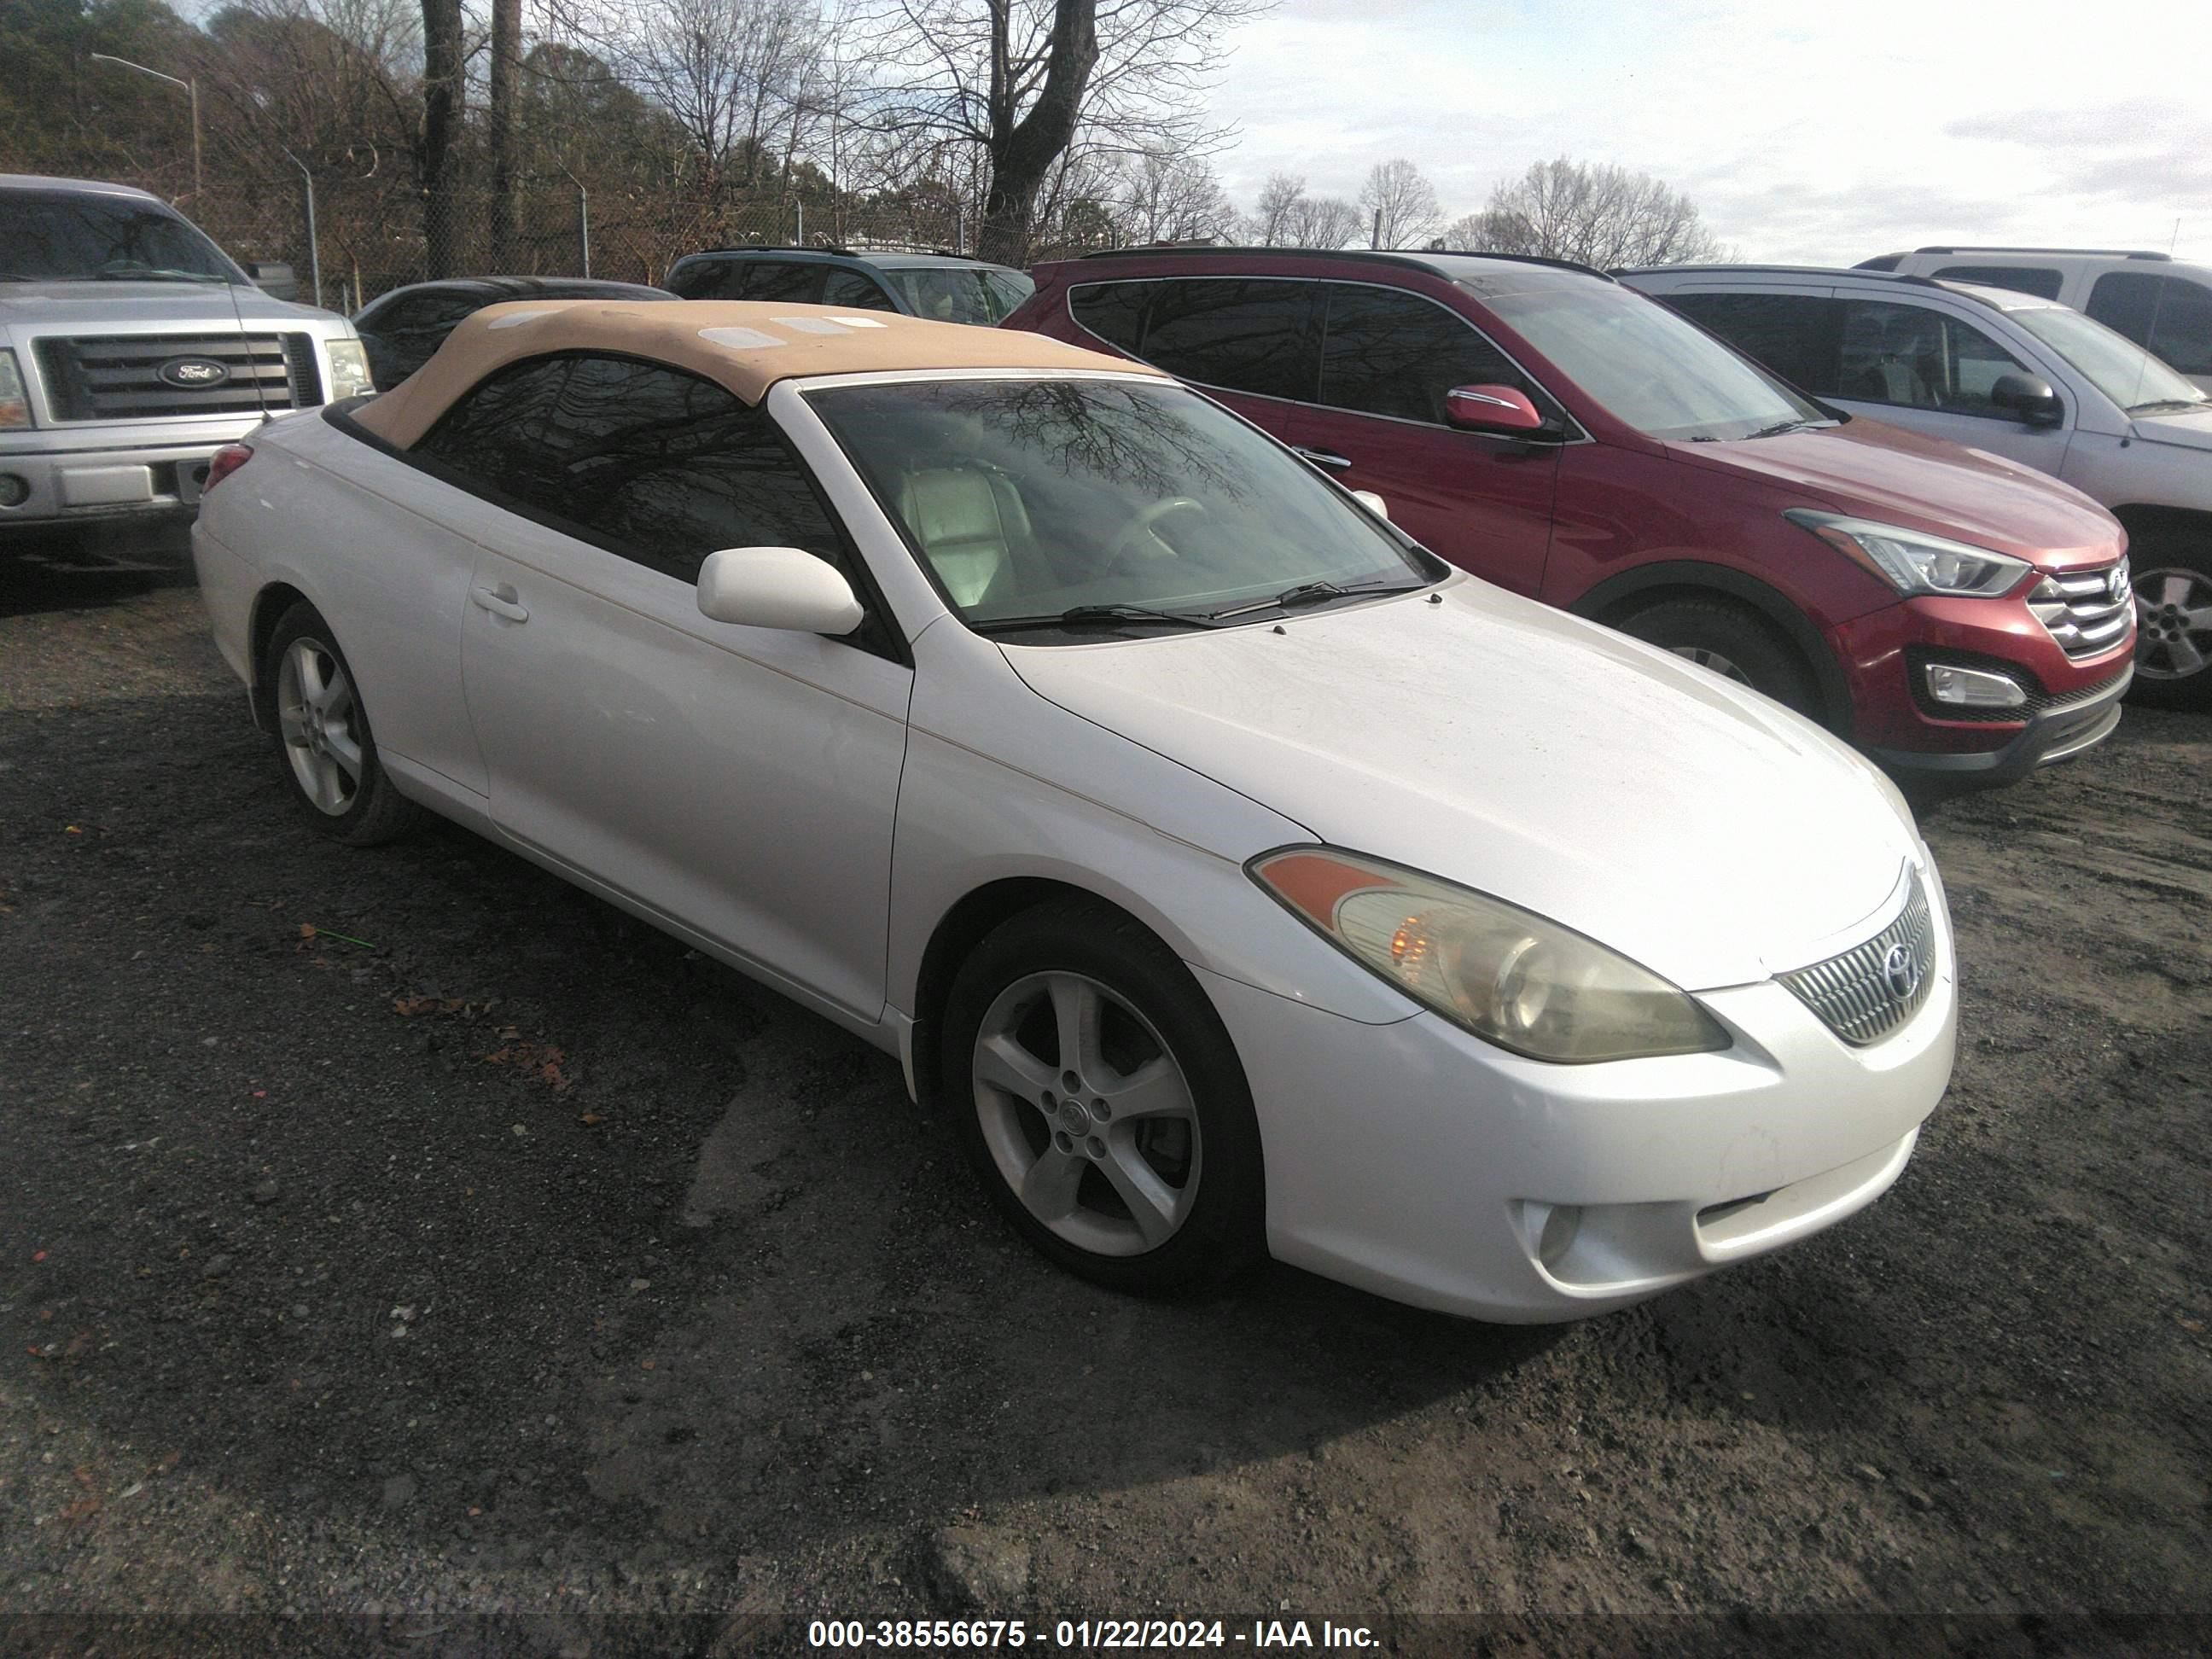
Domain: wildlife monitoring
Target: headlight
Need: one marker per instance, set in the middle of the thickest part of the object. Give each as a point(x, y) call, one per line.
point(349, 369)
point(14, 408)
point(1912, 563)
point(1508, 975)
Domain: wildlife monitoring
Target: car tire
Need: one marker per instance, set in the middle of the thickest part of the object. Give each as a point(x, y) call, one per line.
point(323, 737)
point(1730, 641)
point(1146, 1176)
point(2173, 622)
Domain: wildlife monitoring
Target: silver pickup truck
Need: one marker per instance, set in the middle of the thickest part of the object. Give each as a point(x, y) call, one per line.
point(132, 349)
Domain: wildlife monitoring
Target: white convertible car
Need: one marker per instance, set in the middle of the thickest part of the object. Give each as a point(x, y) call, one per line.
point(1240, 877)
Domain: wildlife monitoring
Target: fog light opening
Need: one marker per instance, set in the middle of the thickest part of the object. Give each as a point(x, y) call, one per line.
point(15, 489)
point(1973, 687)
point(1555, 1235)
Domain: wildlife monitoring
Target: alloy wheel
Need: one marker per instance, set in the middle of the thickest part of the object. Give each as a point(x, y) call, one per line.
point(1706, 658)
point(1087, 1114)
point(320, 720)
point(2174, 623)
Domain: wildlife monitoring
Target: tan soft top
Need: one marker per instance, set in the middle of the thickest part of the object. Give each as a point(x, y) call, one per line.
point(746, 345)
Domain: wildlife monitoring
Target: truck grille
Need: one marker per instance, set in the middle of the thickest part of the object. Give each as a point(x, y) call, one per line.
point(1869, 991)
point(119, 377)
point(2086, 610)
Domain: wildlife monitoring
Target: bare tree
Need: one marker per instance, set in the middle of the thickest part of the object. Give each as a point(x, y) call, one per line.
point(1601, 214)
point(504, 132)
point(1401, 202)
point(1323, 221)
point(1171, 198)
point(1021, 82)
point(1270, 223)
point(734, 73)
point(439, 163)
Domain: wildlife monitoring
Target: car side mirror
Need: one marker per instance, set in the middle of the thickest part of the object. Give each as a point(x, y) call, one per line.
point(1491, 409)
point(782, 587)
point(274, 278)
point(2029, 397)
point(1373, 502)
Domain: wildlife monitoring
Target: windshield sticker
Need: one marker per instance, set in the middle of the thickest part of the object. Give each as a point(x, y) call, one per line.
point(742, 338)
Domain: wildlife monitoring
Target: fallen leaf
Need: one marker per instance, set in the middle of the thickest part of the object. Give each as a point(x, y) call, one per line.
point(38, 1256)
point(590, 1118)
point(307, 930)
point(81, 1511)
point(2194, 1327)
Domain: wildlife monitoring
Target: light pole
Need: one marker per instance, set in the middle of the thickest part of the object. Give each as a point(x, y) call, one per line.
point(315, 248)
point(191, 89)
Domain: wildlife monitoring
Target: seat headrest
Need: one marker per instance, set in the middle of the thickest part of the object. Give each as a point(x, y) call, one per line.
point(950, 505)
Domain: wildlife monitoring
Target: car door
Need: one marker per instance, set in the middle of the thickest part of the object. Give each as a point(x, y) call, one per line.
point(1926, 366)
point(740, 781)
point(1483, 501)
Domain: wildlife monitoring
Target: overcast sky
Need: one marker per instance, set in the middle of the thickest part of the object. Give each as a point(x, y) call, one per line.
point(1810, 133)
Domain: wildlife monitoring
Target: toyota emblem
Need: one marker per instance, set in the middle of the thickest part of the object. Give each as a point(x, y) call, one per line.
point(192, 373)
point(1900, 970)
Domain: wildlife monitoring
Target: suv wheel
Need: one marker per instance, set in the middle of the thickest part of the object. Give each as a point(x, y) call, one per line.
point(2173, 627)
point(1732, 642)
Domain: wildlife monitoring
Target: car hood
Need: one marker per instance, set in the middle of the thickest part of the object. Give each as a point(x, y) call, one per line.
point(2192, 430)
point(1702, 830)
point(50, 306)
point(1874, 471)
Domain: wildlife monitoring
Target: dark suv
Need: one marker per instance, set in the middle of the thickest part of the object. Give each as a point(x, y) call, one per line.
point(939, 286)
point(1547, 429)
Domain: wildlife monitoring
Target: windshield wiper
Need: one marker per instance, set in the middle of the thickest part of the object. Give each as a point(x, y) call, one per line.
point(1080, 615)
point(151, 274)
point(1779, 428)
point(1317, 594)
point(2165, 403)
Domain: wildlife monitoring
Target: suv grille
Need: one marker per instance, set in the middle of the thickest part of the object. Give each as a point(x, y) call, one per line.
point(1871, 989)
point(2080, 610)
point(118, 377)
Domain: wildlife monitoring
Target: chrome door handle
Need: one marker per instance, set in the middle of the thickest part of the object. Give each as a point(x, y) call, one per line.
point(500, 602)
point(1322, 457)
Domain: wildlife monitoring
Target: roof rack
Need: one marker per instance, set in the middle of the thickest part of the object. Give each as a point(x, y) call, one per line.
point(1786, 270)
point(780, 247)
point(2101, 252)
point(1415, 258)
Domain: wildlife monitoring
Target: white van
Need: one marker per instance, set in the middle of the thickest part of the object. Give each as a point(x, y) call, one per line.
point(2014, 376)
point(2158, 302)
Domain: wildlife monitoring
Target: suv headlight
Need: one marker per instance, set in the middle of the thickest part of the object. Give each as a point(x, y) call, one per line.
point(1508, 975)
point(14, 407)
point(1914, 562)
point(349, 375)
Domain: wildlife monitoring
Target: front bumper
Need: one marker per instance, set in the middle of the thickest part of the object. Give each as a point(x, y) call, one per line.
point(2072, 705)
point(106, 482)
point(1417, 1161)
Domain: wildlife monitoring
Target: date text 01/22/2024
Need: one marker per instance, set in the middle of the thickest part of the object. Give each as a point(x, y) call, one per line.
point(1086, 1635)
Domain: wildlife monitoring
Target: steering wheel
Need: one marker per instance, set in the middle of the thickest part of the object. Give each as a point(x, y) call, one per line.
point(1124, 546)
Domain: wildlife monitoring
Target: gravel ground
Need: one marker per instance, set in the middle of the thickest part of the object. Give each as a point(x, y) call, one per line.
point(390, 1237)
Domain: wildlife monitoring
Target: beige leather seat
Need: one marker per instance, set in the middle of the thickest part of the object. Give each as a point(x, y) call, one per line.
point(967, 530)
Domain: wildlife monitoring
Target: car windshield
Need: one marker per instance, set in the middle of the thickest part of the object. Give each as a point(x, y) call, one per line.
point(1027, 499)
point(961, 293)
point(2111, 363)
point(63, 236)
point(1649, 368)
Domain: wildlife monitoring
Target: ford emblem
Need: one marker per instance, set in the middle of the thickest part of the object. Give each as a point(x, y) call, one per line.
point(1901, 972)
point(192, 373)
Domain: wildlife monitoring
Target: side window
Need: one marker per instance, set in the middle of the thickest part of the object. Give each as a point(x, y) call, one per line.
point(855, 290)
point(660, 467)
point(2169, 316)
point(709, 279)
point(1793, 334)
point(1238, 335)
point(1919, 358)
point(1115, 312)
point(795, 282)
point(2023, 279)
point(489, 439)
point(1387, 353)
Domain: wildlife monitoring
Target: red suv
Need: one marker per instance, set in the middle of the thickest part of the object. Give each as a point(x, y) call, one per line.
point(1961, 619)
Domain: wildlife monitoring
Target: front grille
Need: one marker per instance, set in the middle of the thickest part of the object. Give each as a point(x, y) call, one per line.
point(2080, 610)
point(117, 377)
point(2040, 701)
point(1856, 994)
